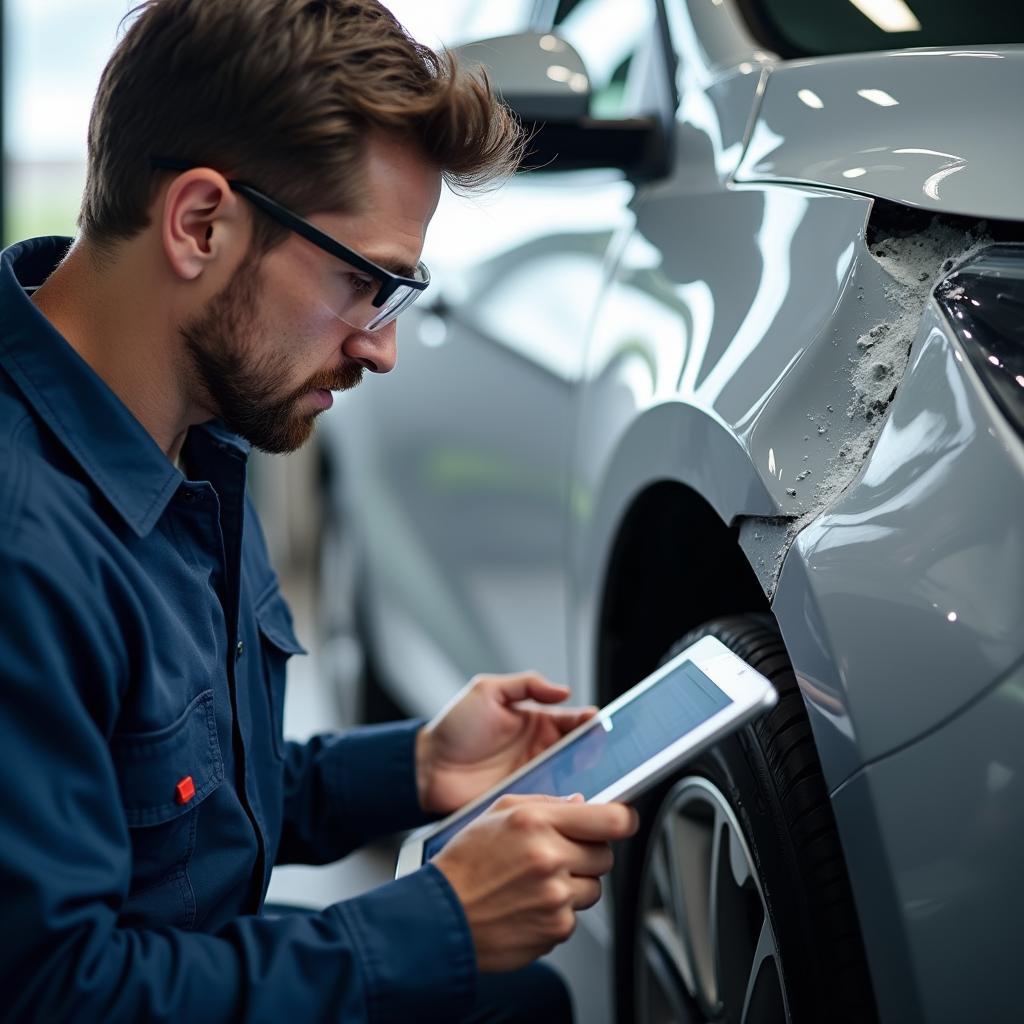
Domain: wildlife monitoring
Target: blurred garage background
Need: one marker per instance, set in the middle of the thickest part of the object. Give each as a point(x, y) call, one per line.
point(53, 52)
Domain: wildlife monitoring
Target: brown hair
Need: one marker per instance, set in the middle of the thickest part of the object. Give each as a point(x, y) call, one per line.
point(281, 94)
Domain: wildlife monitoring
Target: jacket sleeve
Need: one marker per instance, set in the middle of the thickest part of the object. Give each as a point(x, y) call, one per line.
point(344, 790)
point(402, 952)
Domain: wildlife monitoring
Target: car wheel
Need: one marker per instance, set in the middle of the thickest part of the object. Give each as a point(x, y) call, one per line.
point(733, 898)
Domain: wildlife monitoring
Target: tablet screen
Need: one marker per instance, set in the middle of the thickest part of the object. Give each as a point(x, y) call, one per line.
point(614, 746)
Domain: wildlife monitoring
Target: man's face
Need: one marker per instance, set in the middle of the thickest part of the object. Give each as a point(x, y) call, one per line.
point(268, 349)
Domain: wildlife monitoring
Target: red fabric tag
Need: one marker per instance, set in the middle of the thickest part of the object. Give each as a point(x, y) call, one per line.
point(185, 790)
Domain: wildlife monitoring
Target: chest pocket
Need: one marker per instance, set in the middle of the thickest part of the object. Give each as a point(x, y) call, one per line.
point(278, 643)
point(164, 776)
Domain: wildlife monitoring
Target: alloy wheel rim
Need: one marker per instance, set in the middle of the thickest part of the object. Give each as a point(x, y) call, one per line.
point(705, 950)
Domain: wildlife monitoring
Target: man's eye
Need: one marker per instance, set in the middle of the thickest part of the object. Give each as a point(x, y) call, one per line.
point(361, 284)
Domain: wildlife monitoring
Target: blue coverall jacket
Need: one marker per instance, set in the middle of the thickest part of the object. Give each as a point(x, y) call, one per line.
point(145, 788)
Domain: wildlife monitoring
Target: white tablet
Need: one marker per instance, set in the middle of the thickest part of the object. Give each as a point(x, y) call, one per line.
point(688, 704)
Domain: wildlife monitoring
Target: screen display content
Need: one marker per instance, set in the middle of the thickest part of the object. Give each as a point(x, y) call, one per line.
point(614, 745)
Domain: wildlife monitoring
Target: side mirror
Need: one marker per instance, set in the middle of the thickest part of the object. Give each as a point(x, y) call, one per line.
point(543, 79)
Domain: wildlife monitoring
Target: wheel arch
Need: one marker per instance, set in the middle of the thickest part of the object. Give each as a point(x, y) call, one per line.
point(668, 534)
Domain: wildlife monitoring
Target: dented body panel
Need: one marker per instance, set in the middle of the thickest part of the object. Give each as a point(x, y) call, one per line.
point(903, 602)
point(686, 367)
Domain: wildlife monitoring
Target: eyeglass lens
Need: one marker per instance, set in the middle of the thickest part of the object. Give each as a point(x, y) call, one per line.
point(351, 293)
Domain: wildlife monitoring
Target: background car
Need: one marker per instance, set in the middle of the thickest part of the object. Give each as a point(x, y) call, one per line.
point(742, 355)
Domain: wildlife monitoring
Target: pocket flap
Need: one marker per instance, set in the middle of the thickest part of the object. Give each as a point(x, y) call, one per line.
point(275, 622)
point(150, 766)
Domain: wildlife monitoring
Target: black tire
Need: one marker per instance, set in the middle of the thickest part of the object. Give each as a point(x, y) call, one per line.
point(771, 781)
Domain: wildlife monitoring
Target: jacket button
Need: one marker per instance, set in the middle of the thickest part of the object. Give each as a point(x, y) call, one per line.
point(239, 649)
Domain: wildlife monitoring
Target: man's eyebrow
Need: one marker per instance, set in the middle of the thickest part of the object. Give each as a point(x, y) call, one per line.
point(395, 264)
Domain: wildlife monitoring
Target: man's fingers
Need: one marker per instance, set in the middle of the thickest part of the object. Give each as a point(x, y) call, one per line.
point(575, 819)
point(567, 719)
point(585, 892)
point(594, 823)
point(515, 799)
point(589, 859)
point(527, 686)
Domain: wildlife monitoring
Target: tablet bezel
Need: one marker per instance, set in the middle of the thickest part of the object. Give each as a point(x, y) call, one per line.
point(749, 692)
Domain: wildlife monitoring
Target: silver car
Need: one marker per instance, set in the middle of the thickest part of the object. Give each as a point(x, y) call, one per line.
point(742, 355)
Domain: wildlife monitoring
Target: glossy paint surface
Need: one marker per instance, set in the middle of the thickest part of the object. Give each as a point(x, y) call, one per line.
point(710, 36)
point(932, 836)
point(718, 81)
point(919, 127)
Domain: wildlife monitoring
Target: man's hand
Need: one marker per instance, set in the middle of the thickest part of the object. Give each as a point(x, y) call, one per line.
point(485, 734)
point(523, 869)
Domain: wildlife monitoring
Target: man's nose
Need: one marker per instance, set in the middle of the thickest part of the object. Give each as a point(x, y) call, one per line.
point(377, 351)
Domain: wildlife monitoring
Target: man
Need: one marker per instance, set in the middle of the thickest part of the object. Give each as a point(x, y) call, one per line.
point(261, 175)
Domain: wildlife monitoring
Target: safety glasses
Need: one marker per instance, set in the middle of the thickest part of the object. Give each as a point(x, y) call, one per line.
point(363, 294)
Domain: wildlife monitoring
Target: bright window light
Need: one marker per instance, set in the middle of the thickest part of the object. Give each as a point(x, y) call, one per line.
point(889, 15)
point(812, 99)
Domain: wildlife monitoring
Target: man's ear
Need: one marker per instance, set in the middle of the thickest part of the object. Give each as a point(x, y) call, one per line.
point(203, 223)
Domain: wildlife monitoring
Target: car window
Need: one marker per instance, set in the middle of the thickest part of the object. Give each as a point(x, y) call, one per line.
point(610, 36)
point(813, 27)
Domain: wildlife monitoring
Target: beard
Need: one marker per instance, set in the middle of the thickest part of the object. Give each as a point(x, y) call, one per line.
point(249, 392)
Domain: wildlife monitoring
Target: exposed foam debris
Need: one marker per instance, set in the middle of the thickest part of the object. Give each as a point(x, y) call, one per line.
point(879, 359)
point(912, 264)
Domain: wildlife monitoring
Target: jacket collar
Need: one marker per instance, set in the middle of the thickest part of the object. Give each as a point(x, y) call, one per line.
point(92, 423)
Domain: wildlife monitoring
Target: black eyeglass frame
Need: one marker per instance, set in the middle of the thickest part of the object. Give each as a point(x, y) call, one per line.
point(389, 282)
